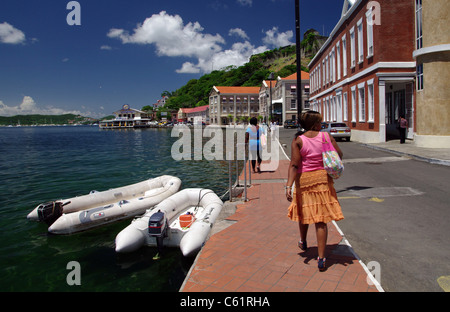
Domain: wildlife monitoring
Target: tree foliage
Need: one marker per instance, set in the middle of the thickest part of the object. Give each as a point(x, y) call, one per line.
point(196, 91)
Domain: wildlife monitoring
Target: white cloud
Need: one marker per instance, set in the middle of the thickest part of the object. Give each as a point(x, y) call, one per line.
point(238, 32)
point(29, 106)
point(188, 68)
point(105, 47)
point(11, 35)
point(245, 2)
point(171, 36)
point(274, 38)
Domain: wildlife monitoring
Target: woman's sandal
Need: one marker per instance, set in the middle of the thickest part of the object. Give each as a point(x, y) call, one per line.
point(302, 245)
point(321, 264)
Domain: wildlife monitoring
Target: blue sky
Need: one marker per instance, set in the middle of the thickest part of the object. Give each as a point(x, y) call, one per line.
point(130, 51)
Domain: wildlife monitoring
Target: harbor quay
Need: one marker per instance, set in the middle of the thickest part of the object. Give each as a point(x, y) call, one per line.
point(253, 246)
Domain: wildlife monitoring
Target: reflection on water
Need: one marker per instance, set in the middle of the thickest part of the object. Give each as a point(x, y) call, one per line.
point(40, 164)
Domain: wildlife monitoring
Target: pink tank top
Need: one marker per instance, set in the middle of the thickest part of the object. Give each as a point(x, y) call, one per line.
point(311, 153)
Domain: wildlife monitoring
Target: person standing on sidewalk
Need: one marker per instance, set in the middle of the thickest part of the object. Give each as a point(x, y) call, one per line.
point(403, 125)
point(253, 138)
point(314, 200)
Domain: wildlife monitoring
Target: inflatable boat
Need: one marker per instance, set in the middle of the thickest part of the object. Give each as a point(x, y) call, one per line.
point(183, 220)
point(97, 208)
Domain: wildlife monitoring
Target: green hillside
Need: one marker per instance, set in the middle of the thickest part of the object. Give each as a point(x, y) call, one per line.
point(31, 120)
point(282, 62)
point(196, 92)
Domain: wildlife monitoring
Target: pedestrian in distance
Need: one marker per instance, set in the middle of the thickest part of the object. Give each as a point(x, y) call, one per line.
point(314, 199)
point(403, 125)
point(253, 138)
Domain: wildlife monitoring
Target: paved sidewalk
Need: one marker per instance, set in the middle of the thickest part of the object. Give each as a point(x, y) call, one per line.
point(259, 253)
point(439, 156)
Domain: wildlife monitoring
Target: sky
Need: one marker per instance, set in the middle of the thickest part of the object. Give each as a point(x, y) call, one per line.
point(91, 57)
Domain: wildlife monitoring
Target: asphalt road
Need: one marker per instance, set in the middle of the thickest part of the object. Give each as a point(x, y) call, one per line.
point(396, 215)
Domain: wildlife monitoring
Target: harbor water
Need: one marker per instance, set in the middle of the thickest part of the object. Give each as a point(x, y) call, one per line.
point(40, 164)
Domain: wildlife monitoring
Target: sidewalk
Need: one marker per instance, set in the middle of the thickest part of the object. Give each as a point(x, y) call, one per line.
point(259, 253)
point(439, 156)
point(256, 250)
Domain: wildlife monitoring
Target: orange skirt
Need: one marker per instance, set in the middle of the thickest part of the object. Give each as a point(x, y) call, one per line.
point(315, 199)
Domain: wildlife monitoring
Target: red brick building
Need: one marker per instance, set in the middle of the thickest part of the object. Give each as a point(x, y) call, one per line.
point(364, 74)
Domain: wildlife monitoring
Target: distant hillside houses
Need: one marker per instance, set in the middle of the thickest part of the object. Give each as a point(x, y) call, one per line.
point(160, 103)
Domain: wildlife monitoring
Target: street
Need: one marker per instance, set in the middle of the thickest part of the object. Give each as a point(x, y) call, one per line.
point(396, 213)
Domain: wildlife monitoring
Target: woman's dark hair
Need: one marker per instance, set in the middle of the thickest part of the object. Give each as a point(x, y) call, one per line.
point(310, 119)
point(253, 121)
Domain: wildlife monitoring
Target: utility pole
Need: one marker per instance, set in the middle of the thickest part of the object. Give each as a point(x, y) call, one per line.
point(299, 62)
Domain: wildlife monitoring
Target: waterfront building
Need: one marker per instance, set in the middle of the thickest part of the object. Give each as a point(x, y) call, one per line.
point(284, 97)
point(364, 74)
point(195, 115)
point(127, 117)
point(229, 105)
point(266, 88)
point(432, 55)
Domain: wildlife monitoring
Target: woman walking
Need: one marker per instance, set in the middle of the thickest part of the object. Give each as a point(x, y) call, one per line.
point(314, 200)
point(253, 138)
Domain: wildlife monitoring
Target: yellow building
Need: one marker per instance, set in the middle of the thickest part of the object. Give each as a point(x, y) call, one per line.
point(432, 56)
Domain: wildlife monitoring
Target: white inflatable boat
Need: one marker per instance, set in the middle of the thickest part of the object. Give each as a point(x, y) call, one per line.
point(183, 220)
point(98, 208)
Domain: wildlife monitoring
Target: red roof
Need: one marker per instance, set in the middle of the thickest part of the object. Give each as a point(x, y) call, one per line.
point(238, 90)
point(305, 76)
point(195, 109)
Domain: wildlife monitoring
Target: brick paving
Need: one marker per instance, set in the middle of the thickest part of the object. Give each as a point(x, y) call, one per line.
point(259, 252)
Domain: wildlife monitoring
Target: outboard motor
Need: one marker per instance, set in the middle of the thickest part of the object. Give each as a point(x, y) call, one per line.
point(50, 212)
point(157, 227)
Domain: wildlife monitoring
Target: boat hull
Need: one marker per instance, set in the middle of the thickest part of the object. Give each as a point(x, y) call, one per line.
point(204, 204)
point(69, 223)
point(96, 199)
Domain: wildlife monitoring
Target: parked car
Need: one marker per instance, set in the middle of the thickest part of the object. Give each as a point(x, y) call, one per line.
point(337, 130)
point(290, 124)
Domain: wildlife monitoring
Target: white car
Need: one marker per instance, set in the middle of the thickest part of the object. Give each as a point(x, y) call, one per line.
point(337, 130)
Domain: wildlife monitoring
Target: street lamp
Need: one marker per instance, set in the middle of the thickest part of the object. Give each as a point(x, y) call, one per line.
point(299, 62)
point(270, 96)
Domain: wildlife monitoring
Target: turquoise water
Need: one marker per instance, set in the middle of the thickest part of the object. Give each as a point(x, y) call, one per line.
point(40, 164)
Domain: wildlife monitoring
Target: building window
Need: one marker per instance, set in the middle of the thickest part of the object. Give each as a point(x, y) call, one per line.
point(362, 102)
point(293, 104)
point(370, 101)
point(354, 104)
point(293, 90)
point(333, 64)
point(420, 77)
point(319, 76)
point(344, 56)
point(369, 19)
point(338, 63)
point(352, 47)
point(323, 73)
point(418, 24)
point(360, 42)
point(345, 106)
